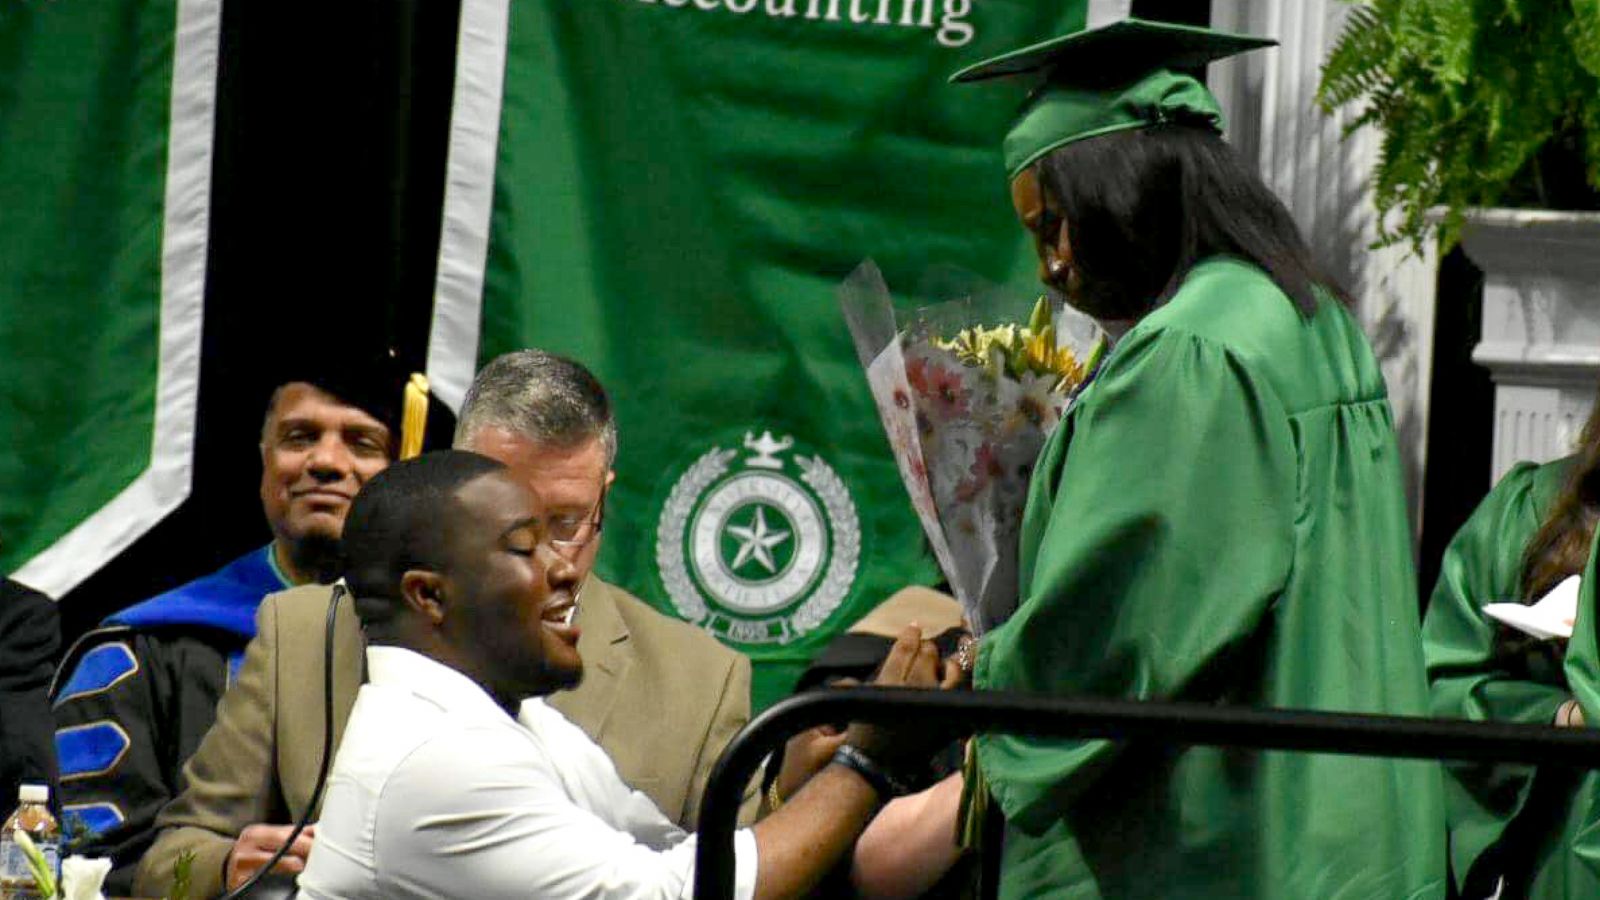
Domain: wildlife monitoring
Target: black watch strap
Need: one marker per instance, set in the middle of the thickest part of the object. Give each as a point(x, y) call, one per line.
point(875, 775)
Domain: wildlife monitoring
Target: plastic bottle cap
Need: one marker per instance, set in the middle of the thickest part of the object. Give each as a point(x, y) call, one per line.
point(33, 793)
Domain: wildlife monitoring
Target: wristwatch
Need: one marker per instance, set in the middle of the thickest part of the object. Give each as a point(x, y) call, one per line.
point(881, 781)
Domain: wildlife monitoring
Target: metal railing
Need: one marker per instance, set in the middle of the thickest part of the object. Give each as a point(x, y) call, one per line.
point(1184, 724)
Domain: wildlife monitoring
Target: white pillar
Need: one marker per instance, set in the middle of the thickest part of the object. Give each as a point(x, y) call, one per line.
point(1104, 12)
point(1270, 100)
point(1541, 326)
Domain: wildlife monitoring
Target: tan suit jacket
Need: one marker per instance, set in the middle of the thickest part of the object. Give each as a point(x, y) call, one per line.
point(662, 697)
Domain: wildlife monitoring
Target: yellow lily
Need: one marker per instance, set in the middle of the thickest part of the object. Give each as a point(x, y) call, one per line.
point(1018, 350)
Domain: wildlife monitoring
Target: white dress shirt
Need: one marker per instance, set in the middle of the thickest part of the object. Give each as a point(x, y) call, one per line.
point(437, 792)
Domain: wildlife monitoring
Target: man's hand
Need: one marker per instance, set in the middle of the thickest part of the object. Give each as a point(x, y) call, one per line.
point(914, 663)
point(804, 756)
point(801, 841)
point(255, 846)
point(807, 752)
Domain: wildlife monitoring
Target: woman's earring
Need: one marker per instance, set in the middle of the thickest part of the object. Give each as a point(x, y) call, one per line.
point(1056, 267)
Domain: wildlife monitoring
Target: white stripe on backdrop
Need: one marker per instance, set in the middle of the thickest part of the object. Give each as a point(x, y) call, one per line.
point(468, 198)
point(185, 233)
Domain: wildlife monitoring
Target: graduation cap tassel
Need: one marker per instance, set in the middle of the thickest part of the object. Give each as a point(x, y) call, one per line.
point(414, 416)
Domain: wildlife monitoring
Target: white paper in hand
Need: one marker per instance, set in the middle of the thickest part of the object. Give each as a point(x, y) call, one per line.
point(1551, 617)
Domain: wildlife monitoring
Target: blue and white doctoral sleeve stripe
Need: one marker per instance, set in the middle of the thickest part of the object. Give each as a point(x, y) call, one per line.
point(100, 669)
point(85, 751)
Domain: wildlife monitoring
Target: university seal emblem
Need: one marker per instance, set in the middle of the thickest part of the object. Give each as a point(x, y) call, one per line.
point(759, 543)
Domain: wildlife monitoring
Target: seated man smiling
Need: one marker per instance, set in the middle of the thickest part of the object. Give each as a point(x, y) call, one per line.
point(455, 779)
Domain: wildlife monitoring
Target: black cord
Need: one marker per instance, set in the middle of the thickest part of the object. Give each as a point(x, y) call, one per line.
point(327, 750)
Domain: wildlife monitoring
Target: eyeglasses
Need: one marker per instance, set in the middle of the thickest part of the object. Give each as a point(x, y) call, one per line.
point(571, 533)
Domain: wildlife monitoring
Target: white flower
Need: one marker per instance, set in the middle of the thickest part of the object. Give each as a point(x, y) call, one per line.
point(82, 877)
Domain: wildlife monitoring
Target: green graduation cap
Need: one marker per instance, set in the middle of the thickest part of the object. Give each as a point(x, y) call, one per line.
point(1129, 74)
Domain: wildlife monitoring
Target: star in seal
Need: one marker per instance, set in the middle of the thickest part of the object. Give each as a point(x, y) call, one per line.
point(757, 542)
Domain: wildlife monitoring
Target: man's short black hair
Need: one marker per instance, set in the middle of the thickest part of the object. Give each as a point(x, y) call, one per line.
point(400, 521)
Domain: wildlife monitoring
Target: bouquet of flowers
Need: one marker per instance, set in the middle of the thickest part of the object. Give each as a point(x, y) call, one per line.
point(968, 391)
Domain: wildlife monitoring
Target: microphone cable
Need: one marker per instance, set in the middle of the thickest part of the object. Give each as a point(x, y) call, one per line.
point(327, 749)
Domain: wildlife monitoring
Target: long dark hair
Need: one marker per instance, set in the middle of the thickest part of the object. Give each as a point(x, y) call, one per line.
point(1561, 545)
point(1144, 206)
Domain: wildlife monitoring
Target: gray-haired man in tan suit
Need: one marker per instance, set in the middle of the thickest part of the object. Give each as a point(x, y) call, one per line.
point(661, 697)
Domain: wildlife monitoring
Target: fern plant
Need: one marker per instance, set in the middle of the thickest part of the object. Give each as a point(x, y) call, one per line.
point(1479, 103)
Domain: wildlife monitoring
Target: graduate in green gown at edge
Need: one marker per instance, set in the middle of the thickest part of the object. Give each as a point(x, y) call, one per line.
point(1219, 518)
point(1579, 860)
point(1510, 821)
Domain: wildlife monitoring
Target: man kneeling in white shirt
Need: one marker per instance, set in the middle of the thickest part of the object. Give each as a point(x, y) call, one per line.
point(455, 780)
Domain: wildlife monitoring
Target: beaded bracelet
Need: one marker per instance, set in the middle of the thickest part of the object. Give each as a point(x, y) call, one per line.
point(885, 784)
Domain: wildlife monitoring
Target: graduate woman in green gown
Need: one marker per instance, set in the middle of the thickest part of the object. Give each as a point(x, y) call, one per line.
point(1218, 519)
point(1533, 531)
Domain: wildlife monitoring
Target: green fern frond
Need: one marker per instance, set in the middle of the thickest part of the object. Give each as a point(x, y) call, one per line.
point(1584, 34)
point(1356, 65)
point(1468, 96)
point(1443, 35)
point(1589, 124)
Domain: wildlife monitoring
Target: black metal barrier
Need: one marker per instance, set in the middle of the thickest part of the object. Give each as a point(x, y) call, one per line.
point(1171, 723)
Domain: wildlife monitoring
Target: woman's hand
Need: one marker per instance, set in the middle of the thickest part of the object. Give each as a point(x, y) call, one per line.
point(958, 668)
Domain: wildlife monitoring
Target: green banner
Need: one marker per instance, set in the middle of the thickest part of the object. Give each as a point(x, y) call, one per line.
point(677, 188)
point(105, 169)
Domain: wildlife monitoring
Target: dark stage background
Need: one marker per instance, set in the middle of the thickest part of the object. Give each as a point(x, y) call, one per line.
point(328, 179)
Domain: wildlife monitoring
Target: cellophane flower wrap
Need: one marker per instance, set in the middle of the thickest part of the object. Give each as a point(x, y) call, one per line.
point(968, 390)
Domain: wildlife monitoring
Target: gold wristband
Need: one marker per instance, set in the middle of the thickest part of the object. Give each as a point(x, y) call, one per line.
point(774, 799)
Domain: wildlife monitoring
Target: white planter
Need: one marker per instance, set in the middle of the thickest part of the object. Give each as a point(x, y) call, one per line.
point(1541, 326)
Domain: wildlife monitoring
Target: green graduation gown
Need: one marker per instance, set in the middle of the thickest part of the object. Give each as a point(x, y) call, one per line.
point(1472, 675)
point(1572, 867)
point(1219, 519)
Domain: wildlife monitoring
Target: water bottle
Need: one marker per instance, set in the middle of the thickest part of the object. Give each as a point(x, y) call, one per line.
point(34, 819)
